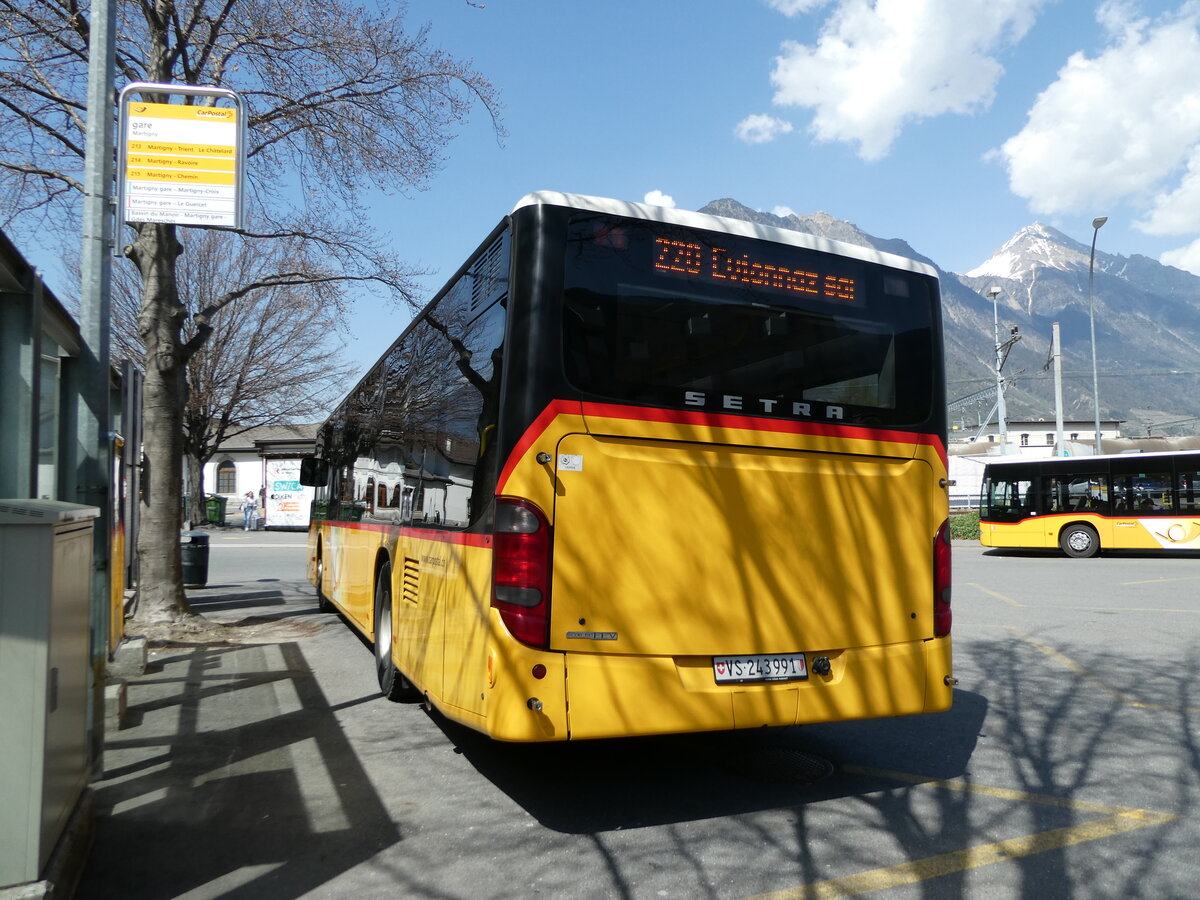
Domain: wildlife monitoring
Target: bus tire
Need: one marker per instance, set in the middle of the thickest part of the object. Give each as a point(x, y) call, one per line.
point(323, 604)
point(1079, 541)
point(392, 684)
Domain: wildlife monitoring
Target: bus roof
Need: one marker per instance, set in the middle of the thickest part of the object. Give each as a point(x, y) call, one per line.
point(1067, 461)
point(721, 224)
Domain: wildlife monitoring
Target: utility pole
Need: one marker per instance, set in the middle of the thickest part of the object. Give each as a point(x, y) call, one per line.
point(994, 292)
point(1096, 225)
point(93, 471)
point(1056, 355)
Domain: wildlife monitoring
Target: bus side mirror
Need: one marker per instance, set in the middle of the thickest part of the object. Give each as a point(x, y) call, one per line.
point(314, 472)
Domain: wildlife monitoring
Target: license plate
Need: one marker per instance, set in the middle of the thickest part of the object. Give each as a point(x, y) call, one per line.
point(766, 667)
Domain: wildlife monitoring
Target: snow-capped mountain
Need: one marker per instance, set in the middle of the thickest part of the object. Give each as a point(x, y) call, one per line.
point(1147, 323)
point(1032, 246)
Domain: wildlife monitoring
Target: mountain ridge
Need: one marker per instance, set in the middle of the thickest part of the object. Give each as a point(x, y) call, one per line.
point(1147, 323)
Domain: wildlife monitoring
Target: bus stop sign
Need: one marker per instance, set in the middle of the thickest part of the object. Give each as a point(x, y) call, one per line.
point(181, 163)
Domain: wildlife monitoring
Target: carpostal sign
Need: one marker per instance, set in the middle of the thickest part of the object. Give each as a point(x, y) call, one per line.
point(181, 163)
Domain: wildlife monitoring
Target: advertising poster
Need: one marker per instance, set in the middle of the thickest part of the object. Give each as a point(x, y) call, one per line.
point(287, 501)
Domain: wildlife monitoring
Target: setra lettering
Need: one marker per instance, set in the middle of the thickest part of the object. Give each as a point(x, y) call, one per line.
point(738, 403)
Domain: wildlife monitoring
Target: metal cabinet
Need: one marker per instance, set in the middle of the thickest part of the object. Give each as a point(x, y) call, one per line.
point(45, 597)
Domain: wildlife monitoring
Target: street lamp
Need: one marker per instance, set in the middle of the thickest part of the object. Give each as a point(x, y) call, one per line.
point(994, 292)
point(1096, 223)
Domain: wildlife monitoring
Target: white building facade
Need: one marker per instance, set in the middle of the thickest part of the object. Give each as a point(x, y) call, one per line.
point(266, 463)
point(1024, 438)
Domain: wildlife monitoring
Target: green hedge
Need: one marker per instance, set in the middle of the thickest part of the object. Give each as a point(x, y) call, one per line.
point(965, 526)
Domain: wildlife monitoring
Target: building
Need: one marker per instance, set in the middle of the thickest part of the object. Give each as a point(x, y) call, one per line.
point(40, 347)
point(265, 462)
point(1033, 437)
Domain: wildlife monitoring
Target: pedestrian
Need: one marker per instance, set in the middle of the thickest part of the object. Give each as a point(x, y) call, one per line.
point(248, 507)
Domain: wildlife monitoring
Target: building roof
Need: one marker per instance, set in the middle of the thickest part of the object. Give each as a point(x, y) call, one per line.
point(18, 276)
point(265, 438)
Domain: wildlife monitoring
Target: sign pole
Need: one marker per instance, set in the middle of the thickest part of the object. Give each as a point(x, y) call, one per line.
point(93, 469)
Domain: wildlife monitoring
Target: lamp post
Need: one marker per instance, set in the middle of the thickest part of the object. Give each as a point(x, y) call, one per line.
point(1096, 224)
point(994, 292)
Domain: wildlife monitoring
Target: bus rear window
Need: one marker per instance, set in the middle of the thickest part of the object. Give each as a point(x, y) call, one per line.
point(655, 314)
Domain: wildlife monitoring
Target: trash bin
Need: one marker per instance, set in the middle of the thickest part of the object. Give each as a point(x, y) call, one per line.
point(193, 550)
point(215, 508)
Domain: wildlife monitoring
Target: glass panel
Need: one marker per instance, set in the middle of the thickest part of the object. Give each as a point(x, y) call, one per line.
point(1009, 496)
point(226, 478)
point(1079, 493)
point(675, 317)
point(1142, 493)
point(1189, 491)
point(47, 471)
point(414, 442)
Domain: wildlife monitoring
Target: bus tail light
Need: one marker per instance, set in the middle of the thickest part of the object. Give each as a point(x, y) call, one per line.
point(521, 571)
point(942, 614)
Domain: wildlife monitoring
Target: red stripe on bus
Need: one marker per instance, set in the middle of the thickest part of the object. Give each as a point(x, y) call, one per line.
point(553, 410)
point(713, 420)
point(461, 538)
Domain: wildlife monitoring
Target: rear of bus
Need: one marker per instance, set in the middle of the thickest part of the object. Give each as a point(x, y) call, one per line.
point(723, 503)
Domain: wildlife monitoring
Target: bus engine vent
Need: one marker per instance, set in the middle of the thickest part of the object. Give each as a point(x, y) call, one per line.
point(410, 580)
point(488, 279)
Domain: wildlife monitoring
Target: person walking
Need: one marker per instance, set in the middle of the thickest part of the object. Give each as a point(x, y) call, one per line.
point(248, 507)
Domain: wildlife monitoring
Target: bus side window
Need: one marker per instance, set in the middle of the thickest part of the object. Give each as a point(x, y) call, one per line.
point(1186, 485)
point(1123, 493)
point(1017, 493)
point(1058, 502)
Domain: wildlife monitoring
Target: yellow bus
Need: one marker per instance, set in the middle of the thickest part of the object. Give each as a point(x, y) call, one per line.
point(637, 471)
point(1086, 504)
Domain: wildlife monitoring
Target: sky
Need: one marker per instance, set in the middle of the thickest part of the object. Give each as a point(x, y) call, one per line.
point(949, 123)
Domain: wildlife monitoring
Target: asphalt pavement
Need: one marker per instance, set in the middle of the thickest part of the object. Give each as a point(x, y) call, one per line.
point(1067, 767)
point(227, 751)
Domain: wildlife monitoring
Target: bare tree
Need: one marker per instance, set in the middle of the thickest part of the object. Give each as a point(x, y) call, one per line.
point(271, 359)
point(341, 101)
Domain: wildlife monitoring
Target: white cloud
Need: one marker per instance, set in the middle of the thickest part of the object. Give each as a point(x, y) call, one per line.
point(761, 128)
point(1187, 258)
point(793, 7)
point(1122, 126)
point(881, 64)
point(783, 211)
point(658, 198)
point(1176, 209)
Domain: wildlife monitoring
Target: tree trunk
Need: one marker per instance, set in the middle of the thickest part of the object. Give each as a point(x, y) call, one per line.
point(197, 511)
point(160, 585)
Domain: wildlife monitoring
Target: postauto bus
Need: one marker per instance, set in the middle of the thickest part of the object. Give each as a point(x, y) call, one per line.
point(636, 471)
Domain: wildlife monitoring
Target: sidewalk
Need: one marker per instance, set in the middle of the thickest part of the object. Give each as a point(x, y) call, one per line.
point(229, 752)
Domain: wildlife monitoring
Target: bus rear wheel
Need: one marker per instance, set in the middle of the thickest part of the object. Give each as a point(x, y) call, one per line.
point(1079, 541)
point(392, 684)
point(323, 604)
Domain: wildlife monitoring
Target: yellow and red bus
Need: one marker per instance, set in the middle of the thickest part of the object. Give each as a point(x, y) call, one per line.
point(1086, 504)
point(638, 471)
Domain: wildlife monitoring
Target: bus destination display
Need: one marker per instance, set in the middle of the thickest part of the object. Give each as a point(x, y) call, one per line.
point(721, 266)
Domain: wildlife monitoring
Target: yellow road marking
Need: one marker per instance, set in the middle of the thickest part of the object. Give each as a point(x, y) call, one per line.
point(1009, 600)
point(1145, 609)
point(969, 787)
point(970, 858)
point(1067, 663)
point(1160, 581)
point(1118, 820)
